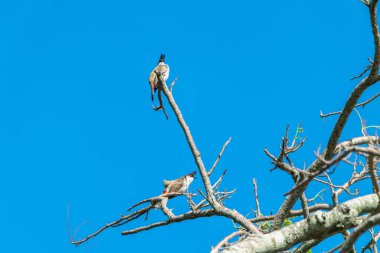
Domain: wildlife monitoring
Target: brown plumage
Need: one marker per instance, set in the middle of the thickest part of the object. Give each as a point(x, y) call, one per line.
point(179, 185)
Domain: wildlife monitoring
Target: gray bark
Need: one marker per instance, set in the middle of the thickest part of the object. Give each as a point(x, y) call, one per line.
point(318, 225)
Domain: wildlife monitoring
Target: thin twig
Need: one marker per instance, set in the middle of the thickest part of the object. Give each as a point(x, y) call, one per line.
point(366, 69)
point(179, 218)
point(306, 246)
point(172, 84)
point(113, 224)
point(366, 2)
point(215, 186)
point(358, 105)
point(256, 197)
point(358, 231)
point(335, 248)
point(225, 240)
point(219, 156)
point(372, 243)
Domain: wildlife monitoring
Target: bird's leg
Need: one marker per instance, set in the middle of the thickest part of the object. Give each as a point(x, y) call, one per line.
point(161, 106)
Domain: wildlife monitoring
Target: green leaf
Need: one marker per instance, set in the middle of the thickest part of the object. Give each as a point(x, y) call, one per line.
point(287, 222)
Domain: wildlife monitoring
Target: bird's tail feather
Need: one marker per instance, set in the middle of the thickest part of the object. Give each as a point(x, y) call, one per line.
point(166, 183)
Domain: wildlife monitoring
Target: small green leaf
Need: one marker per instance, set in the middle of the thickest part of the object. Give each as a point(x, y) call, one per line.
point(287, 222)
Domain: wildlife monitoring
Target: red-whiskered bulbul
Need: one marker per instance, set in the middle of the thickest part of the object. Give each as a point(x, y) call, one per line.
point(180, 185)
point(161, 69)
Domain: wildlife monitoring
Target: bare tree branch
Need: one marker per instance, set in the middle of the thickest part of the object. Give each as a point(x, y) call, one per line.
point(219, 156)
point(358, 231)
point(373, 172)
point(294, 213)
point(306, 246)
point(366, 2)
point(222, 243)
point(221, 210)
point(373, 242)
point(296, 192)
point(122, 220)
point(358, 105)
point(256, 197)
point(172, 84)
point(179, 218)
point(365, 70)
point(335, 248)
point(278, 237)
point(328, 154)
point(342, 217)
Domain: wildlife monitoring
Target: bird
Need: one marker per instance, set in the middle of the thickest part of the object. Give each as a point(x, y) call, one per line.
point(162, 69)
point(180, 185)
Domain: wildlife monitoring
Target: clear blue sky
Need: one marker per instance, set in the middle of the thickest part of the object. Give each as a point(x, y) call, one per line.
point(76, 124)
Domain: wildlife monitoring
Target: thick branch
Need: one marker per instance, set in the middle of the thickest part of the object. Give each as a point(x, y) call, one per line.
point(293, 213)
point(317, 226)
point(376, 38)
point(372, 166)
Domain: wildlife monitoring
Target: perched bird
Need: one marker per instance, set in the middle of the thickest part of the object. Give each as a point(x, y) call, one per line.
point(161, 69)
point(179, 185)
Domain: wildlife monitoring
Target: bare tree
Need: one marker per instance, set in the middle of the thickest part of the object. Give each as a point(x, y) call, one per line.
point(276, 233)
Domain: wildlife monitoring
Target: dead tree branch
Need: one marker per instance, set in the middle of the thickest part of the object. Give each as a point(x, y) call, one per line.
point(221, 210)
point(224, 242)
point(358, 231)
point(294, 213)
point(255, 190)
point(306, 246)
point(365, 70)
point(325, 224)
point(363, 104)
point(179, 218)
point(372, 244)
point(329, 152)
point(219, 156)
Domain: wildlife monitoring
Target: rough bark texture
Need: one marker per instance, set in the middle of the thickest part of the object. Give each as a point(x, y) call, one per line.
point(318, 225)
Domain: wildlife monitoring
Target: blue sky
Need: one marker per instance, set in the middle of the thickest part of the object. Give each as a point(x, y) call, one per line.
point(77, 128)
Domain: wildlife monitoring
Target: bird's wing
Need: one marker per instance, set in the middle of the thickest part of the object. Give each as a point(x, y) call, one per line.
point(176, 186)
point(153, 82)
point(162, 70)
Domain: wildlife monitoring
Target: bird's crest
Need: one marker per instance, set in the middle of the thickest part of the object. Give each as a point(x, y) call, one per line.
point(192, 173)
point(162, 58)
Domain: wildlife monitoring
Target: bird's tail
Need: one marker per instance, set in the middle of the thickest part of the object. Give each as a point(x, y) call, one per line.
point(152, 91)
point(166, 183)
